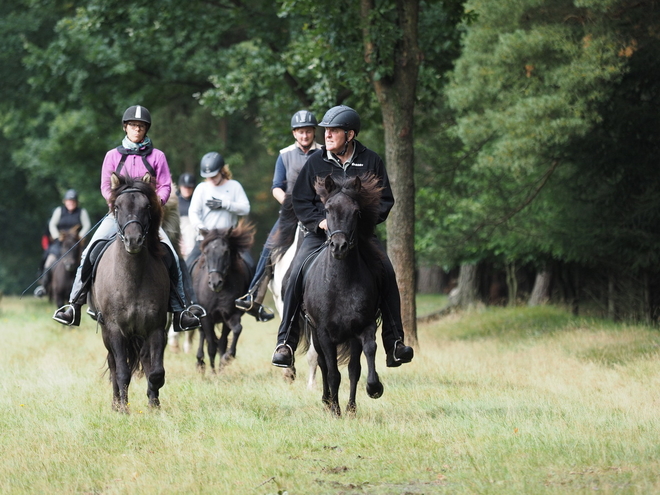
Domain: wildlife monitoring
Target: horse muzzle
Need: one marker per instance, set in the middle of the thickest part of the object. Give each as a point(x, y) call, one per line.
point(216, 281)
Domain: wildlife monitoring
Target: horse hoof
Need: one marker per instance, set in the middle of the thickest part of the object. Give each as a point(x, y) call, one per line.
point(375, 390)
point(289, 374)
point(155, 403)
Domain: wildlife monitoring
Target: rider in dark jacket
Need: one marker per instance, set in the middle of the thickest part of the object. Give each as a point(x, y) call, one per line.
point(342, 155)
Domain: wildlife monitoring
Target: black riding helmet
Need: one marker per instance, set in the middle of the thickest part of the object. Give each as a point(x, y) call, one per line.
point(187, 180)
point(342, 117)
point(139, 113)
point(303, 118)
point(211, 164)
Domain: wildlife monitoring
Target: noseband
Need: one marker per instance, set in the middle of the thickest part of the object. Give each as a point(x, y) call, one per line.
point(122, 228)
point(351, 237)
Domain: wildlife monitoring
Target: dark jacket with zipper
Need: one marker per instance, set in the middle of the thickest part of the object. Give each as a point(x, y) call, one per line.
point(306, 203)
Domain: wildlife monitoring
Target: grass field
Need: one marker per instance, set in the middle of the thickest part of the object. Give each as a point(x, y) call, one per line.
point(502, 401)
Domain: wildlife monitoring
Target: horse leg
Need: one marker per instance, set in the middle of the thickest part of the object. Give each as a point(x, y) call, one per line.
point(152, 363)
point(374, 385)
point(234, 324)
point(223, 340)
point(201, 365)
point(312, 362)
point(121, 377)
point(331, 376)
point(211, 341)
point(354, 370)
point(188, 341)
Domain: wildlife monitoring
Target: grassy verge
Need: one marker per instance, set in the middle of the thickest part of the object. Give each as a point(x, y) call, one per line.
point(522, 400)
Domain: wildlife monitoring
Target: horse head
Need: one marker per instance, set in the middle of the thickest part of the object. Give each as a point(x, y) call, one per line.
point(217, 256)
point(222, 249)
point(136, 209)
point(352, 209)
point(70, 249)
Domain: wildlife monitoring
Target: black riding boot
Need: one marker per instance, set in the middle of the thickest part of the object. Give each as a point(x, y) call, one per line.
point(251, 302)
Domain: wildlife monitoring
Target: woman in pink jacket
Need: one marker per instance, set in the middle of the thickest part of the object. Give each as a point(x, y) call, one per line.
point(135, 157)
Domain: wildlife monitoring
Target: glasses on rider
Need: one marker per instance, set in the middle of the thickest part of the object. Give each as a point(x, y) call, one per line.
point(137, 125)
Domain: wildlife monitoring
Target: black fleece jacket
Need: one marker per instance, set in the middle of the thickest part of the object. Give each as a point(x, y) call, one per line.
point(306, 203)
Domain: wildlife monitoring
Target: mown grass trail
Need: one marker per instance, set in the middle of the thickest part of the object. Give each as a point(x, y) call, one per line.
point(523, 400)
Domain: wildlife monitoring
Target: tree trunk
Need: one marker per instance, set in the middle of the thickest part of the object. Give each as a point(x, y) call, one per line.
point(512, 283)
point(429, 279)
point(465, 295)
point(396, 95)
point(541, 290)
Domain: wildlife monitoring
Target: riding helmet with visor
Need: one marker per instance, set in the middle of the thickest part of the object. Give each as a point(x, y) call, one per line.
point(342, 117)
point(71, 194)
point(137, 113)
point(187, 180)
point(303, 118)
point(211, 164)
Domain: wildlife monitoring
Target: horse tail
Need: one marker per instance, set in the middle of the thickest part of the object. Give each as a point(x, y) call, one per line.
point(343, 353)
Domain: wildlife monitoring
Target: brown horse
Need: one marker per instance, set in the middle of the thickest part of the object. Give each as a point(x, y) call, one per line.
point(219, 277)
point(131, 291)
point(63, 273)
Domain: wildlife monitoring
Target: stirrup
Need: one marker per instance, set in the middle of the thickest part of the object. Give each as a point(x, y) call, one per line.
point(92, 313)
point(245, 303)
point(281, 364)
point(76, 315)
point(177, 322)
point(199, 309)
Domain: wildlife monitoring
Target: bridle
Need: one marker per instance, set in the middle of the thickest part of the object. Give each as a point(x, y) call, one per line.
point(351, 237)
point(134, 219)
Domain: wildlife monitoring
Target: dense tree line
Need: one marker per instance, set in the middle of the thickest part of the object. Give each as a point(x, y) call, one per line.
point(520, 136)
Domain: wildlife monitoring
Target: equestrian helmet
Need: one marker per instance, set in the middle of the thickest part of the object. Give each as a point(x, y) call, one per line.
point(342, 117)
point(139, 113)
point(186, 180)
point(71, 194)
point(211, 164)
point(303, 118)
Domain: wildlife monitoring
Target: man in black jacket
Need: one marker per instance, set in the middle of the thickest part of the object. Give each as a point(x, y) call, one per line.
point(342, 155)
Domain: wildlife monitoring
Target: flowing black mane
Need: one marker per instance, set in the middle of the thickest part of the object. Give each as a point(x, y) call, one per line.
point(155, 208)
point(240, 238)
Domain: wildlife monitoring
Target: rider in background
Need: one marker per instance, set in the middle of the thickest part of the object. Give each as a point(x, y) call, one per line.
point(287, 167)
point(217, 202)
point(63, 218)
point(135, 157)
point(186, 187)
point(342, 155)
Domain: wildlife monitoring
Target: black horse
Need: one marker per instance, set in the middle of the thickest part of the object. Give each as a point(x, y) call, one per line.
point(341, 287)
point(220, 276)
point(131, 291)
point(63, 274)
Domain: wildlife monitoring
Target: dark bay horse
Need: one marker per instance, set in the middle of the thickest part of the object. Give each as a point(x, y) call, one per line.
point(131, 291)
point(219, 277)
point(341, 287)
point(61, 278)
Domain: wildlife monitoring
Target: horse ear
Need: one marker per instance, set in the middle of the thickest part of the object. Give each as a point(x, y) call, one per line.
point(329, 184)
point(204, 232)
point(114, 181)
point(358, 184)
point(147, 178)
point(75, 230)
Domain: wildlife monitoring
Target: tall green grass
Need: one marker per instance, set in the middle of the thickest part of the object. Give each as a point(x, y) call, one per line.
point(515, 400)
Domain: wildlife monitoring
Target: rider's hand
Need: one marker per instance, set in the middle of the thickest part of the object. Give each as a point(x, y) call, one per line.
point(323, 224)
point(214, 204)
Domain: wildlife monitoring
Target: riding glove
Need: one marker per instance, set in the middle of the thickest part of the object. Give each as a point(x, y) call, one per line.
point(214, 204)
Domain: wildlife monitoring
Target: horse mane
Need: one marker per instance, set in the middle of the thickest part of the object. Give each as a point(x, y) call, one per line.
point(240, 237)
point(156, 209)
point(286, 231)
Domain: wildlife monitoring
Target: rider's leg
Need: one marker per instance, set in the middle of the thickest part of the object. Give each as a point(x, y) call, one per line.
point(185, 318)
point(251, 302)
point(42, 288)
point(288, 334)
point(392, 333)
point(69, 314)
